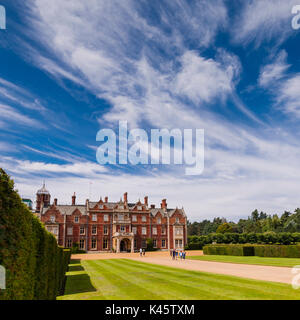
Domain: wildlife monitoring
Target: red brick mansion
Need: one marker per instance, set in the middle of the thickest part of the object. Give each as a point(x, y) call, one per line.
point(112, 226)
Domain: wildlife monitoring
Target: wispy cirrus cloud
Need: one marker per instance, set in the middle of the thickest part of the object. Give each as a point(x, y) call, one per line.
point(264, 20)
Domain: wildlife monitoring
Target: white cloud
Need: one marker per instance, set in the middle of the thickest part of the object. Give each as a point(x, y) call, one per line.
point(264, 20)
point(10, 115)
point(274, 71)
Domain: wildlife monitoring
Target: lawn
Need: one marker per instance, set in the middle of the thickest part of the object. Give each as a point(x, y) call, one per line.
point(278, 262)
point(123, 279)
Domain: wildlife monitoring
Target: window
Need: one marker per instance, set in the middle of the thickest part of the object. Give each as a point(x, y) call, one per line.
point(69, 243)
point(101, 206)
point(144, 231)
point(94, 244)
point(122, 229)
point(144, 243)
point(178, 231)
point(70, 231)
point(94, 217)
point(105, 230)
point(178, 243)
point(158, 220)
point(134, 218)
point(163, 230)
point(154, 231)
point(134, 230)
point(120, 217)
point(140, 208)
point(155, 243)
point(106, 217)
point(177, 220)
point(163, 243)
point(52, 219)
point(94, 229)
point(81, 244)
point(76, 219)
point(82, 230)
point(121, 207)
point(105, 244)
point(55, 231)
point(144, 218)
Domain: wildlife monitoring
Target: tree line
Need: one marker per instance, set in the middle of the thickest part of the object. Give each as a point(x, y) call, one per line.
point(257, 222)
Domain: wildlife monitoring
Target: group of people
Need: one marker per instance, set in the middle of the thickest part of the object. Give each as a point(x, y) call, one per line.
point(142, 252)
point(175, 254)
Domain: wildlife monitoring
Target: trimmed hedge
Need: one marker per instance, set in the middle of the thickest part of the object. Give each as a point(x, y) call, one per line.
point(229, 250)
point(288, 251)
point(35, 265)
point(280, 251)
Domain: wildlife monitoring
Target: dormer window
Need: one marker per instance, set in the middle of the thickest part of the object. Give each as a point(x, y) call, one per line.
point(52, 219)
point(121, 207)
point(158, 220)
point(177, 220)
point(76, 219)
point(140, 208)
point(101, 206)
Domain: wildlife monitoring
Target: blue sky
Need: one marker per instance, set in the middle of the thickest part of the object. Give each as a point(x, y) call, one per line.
point(232, 68)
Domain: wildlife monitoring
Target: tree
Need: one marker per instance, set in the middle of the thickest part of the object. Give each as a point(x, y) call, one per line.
point(225, 228)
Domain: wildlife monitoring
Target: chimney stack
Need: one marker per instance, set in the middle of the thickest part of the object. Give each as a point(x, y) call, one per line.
point(55, 202)
point(164, 204)
point(106, 199)
point(125, 197)
point(146, 201)
point(74, 199)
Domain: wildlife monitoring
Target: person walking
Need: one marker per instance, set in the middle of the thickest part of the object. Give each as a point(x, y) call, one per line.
point(180, 254)
point(176, 254)
point(141, 252)
point(144, 252)
point(173, 254)
point(183, 255)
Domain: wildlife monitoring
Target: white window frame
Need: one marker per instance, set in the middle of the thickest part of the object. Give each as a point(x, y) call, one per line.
point(105, 241)
point(158, 220)
point(94, 217)
point(94, 241)
point(106, 218)
point(134, 218)
point(52, 219)
point(144, 231)
point(163, 243)
point(144, 218)
point(94, 227)
point(154, 230)
point(82, 247)
point(122, 229)
point(154, 243)
point(69, 243)
point(76, 219)
point(70, 231)
point(140, 208)
point(105, 230)
point(134, 230)
point(80, 228)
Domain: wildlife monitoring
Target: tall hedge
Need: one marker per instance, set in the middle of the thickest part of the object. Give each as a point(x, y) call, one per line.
point(35, 265)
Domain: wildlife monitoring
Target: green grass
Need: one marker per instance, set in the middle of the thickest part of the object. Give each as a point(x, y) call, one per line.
point(278, 262)
point(122, 279)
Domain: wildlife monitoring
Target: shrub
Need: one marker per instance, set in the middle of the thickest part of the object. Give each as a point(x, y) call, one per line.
point(284, 251)
point(35, 265)
point(229, 250)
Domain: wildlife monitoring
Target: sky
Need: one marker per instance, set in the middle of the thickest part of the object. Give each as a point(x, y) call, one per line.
point(70, 68)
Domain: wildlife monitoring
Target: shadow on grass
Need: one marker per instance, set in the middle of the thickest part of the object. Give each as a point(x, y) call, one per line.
point(75, 268)
point(79, 283)
point(74, 261)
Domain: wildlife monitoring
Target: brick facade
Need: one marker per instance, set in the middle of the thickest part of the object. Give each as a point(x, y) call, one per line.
point(113, 226)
